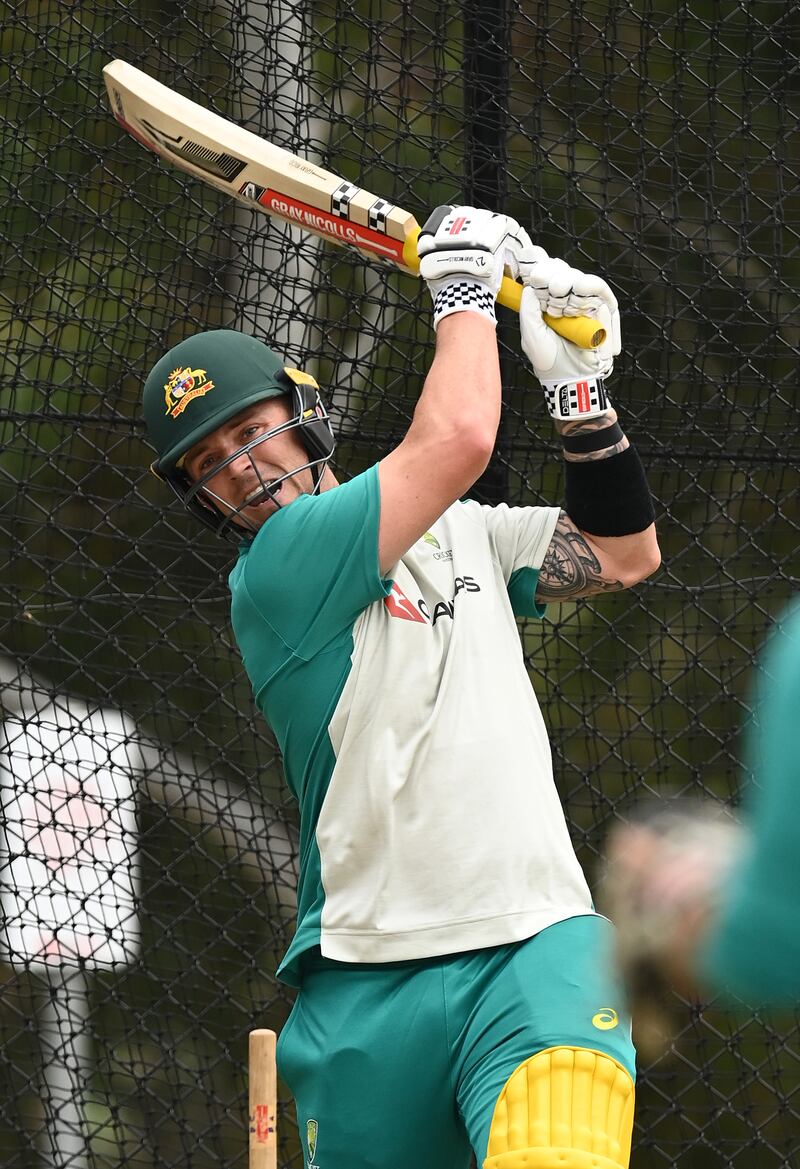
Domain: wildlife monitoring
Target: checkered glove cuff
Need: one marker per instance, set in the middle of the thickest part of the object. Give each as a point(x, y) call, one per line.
point(458, 296)
point(576, 399)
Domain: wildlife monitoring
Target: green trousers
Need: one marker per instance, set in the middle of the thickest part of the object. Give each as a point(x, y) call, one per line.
point(399, 1066)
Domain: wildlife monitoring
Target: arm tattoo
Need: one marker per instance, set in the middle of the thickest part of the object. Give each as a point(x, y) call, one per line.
point(570, 567)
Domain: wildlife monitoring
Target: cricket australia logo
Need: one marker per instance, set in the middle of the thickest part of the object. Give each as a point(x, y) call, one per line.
point(311, 1142)
point(430, 539)
point(182, 386)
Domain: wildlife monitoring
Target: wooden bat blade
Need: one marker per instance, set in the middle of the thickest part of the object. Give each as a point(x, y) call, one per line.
point(254, 171)
point(263, 1100)
point(270, 179)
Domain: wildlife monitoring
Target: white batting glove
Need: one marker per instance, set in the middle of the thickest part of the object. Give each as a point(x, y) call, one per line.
point(463, 253)
point(572, 378)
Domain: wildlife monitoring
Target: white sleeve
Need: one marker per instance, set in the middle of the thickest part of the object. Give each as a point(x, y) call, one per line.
point(519, 536)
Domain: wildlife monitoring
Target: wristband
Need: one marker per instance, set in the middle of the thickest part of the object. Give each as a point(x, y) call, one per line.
point(598, 440)
point(609, 497)
point(576, 399)
point(463, 295)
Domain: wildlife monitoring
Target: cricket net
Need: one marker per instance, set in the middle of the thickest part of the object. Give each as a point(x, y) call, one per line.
point(655, 142)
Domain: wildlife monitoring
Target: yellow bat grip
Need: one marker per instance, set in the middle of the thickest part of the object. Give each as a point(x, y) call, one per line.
point(581, 331)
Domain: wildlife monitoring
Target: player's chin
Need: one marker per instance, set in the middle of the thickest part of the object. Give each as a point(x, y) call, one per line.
point(262, 507)
point(257, 514)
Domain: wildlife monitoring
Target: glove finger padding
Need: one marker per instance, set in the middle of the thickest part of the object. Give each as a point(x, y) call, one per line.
point(572, 378)
point(554, 358)
point(592, 297)
point(562, 290)
point(526, 258)
point(463, 253)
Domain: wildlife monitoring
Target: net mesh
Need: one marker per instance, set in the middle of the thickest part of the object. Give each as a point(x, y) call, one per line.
point(654, 142)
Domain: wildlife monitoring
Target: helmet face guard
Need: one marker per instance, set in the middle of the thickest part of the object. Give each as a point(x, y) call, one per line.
point(204, 382)
point(198, 496)
point(312, 426)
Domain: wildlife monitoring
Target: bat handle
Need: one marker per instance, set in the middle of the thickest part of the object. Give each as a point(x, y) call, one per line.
point(584, 332)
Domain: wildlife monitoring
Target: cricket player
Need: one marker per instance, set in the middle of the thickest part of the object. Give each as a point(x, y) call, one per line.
point(707, 905)
point(455, 985)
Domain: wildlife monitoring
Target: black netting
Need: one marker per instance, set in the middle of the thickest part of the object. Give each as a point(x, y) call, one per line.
point(655, 142)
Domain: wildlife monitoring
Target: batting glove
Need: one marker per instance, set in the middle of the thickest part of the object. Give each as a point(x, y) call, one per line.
point(463, 253)
point(573, 379)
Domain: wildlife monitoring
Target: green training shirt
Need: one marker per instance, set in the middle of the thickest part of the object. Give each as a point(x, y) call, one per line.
point(410, 733)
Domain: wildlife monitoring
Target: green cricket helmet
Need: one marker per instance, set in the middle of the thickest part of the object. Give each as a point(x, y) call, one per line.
point(202, 383)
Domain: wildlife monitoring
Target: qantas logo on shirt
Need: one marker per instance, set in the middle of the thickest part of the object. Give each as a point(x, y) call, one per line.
point(400, 606)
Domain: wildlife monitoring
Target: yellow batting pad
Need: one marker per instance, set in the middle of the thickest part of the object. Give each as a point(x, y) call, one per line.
point(564, 1108)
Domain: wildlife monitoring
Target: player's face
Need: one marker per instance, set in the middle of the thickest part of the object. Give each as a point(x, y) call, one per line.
point(244, 478)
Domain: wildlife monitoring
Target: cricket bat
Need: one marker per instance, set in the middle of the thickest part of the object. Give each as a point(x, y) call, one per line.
point(263, 1100)
point(282, 184)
